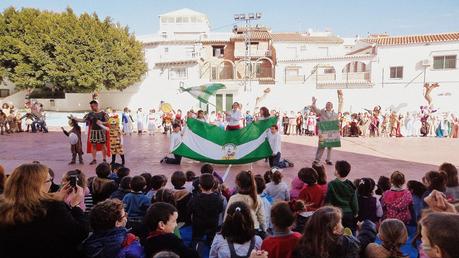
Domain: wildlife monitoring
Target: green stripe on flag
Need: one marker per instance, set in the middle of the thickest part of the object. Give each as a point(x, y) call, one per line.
point(329, 134)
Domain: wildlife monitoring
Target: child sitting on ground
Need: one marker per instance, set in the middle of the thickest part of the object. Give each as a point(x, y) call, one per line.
point(136, 203)
point(157, 182)
point(341, 193)
point(393, 234)
point(205, 209)
point(161, 221)
point(417, 190)
point(190, 177)
point(301, 215)
point(123, 189)
point(397, 201)
point(277, 189)
point(369, 206)
point(182, 196)
point(331, 241)
point(283, 241)
point(312, 194)
point(110, 237)
point(296, 187)
point(266, 199)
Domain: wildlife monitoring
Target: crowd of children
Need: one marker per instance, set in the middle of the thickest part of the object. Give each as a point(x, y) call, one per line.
point(119, 215)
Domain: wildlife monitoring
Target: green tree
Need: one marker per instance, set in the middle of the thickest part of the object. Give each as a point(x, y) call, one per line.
point(63, 51)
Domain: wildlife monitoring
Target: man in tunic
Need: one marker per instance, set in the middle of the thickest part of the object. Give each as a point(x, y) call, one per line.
point(98, 132)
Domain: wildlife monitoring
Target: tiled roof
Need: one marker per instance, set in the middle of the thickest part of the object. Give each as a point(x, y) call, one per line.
point(414, 39)
point(254, 35)
point(366, 50)
point(298, 37)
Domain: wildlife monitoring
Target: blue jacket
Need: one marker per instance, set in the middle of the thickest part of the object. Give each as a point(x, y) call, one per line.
point(136, 204)
point(116, 242)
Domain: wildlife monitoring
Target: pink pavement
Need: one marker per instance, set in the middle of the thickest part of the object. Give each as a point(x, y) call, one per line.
point(369, 157)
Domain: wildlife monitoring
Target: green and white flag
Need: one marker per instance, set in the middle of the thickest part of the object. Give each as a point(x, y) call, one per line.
point(203, 92)
point(329, 134)
point(209, 143)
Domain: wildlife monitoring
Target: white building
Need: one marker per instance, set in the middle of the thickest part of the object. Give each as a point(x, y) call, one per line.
point(285, 69)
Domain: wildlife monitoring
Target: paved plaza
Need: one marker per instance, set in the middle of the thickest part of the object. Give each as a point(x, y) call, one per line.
point(369, 157)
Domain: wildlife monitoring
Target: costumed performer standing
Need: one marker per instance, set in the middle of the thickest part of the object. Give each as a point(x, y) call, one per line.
point(326, 114)
point(234, 117)
point(116, 138)
point(98, 133)
point(76, 146)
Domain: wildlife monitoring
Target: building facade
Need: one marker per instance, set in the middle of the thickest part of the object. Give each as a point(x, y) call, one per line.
point(283, 71)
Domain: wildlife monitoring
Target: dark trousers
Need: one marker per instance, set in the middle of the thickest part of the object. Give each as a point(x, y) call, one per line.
point(285, 129)
point(274, 160)
point(175, 160)
point(298, 129)
point(349, 221)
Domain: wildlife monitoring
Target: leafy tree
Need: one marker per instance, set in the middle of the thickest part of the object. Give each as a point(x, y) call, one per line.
point(63, 51)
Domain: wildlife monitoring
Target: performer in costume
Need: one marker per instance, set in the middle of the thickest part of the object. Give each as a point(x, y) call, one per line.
point(98, 135)
point(140, 121)
point(326, 114)
point(76, 146)
point(125, 120)
point(116, 138)
point(152, 122)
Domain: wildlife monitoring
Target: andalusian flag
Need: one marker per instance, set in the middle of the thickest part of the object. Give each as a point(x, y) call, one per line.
point(209, 143)
point(203, 92)
point(329, 134)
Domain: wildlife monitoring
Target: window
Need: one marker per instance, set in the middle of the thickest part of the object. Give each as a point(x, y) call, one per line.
point(186, 19)
point(193, 19)
point(396, 72)
point(292, 72)
point(329, 70)
point(214, 73)
point(166, 50)
point(219, 102)
point(164, 35)
point(229, 102)
point(444, 62)
point(178, 19)
point(170, 19)
point(163, 19)
point(303, 48)
point(4, 93)
point(218, 51)
point(177, 73)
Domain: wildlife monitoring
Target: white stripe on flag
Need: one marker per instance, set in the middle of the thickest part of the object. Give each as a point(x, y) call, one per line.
point(214, 151)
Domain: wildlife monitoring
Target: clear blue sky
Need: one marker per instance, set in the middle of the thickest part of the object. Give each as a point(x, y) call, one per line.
point(345, 18)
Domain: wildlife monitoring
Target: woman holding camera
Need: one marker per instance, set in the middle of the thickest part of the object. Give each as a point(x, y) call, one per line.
point(34, 223)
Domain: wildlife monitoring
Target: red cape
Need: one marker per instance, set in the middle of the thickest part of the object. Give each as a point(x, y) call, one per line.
point(98, 145)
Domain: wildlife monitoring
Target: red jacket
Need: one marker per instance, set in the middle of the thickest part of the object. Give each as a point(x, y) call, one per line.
point(314, 195)
point(281, 246)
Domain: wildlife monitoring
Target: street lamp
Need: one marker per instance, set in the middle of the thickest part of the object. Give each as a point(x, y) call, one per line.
point(247, 18)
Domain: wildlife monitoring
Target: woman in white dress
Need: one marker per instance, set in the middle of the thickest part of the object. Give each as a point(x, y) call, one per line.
point(152, 122)
point(140, 120)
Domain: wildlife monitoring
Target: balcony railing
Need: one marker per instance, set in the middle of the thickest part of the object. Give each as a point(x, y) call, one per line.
point(326, 77)
point(356, 76)
point(240, 52)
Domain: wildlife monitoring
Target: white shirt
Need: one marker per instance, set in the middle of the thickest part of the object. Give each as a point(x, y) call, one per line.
point(235, 118)
point(220, 248)
point(176, 139)
point(275, 142)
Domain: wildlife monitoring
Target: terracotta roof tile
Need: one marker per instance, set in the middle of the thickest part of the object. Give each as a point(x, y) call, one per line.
point(255, 35)
point(414, 39)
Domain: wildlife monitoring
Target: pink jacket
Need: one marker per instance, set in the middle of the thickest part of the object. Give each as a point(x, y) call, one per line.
point(396, 204)
point(297, 185)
